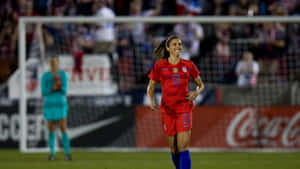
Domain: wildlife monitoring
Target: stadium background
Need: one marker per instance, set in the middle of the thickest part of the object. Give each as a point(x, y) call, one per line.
point(227, 117)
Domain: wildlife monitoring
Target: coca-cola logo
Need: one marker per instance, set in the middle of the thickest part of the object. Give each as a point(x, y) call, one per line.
point(253, 128)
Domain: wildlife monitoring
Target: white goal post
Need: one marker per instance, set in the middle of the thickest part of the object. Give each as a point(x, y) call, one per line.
point(170, 19)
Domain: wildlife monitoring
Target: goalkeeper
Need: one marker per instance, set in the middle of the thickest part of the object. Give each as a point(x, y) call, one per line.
point(54, 89)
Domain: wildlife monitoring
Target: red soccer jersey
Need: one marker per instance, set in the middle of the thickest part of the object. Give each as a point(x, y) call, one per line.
point(174, 80)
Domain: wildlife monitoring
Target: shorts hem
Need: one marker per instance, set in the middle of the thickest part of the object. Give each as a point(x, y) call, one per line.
point(173, 133)
point(55, 119)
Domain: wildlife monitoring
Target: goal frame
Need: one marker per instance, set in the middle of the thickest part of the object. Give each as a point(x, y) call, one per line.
point(158, 19)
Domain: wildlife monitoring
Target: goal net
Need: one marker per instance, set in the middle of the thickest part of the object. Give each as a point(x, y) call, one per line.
point(107, 62)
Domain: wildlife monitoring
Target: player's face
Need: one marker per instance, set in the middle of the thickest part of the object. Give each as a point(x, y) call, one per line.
point(175, 47)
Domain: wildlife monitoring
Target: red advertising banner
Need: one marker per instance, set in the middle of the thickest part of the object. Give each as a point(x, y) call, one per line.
point(228, 127)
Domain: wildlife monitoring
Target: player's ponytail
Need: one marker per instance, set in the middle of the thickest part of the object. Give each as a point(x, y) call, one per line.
point(160, 52)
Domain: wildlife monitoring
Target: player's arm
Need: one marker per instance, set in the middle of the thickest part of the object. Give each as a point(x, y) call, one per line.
point(57, 83)
point(64, 83)
point(200, 87)
point(45, 89)
point(150, 93)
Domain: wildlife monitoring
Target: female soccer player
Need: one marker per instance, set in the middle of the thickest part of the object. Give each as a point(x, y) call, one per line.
point(177, 102)
point(54, 88)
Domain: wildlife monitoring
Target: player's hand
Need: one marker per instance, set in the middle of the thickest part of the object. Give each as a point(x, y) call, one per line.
point(56, 79)
point(192, 96)
point(57, 83)
point(152, 106)
point(55, 88)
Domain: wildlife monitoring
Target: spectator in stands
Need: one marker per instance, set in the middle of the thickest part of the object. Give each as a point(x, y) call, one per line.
point(58, 10)
point(8, 39)
point(105, 40)
point(7, 48)
point(105, 32)
point(78, 49)
point(30, 28)
point(190, 6)
point(142, 34)
point(77, 63)
point(270, 46)
point(238, 30)
point(233, 10)
point(139, 29)
point(277, 8)
point(191, 34)
point(243, 6)
point(291, 6)
point(125, 62)
point(253, 10)
point(42, 7)
point(121, 7)
point(223, 53)
point(85, 39)
point(84, 7)
point(48, 38)
point(247, 70)
point(220, 7)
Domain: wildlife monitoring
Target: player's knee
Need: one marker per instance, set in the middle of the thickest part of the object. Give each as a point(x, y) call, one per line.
point(183, 146)
point(51, 126)
point(63, 129)
point(173, 148)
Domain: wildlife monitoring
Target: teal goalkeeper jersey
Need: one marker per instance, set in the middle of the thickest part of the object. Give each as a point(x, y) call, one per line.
point(55, 102)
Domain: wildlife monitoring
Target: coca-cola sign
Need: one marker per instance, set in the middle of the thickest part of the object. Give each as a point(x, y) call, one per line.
point(255, 127)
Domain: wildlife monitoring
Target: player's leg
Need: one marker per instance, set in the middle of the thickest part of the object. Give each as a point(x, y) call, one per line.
point(172, 140)
point(65, 139)
point(183, 144)
point(51, 138)
point(169, 128)
point(183, 140)
point(183, 126)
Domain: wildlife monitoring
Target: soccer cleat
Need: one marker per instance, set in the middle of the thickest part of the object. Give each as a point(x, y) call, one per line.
point(51, 157)
point(68, 157)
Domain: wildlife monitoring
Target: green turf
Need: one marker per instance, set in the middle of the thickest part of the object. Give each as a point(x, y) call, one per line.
point(12, 159)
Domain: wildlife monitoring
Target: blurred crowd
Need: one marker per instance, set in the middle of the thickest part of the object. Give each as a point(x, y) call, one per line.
point(268, 43)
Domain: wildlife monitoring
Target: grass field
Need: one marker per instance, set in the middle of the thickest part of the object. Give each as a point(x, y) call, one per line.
point(12, 159)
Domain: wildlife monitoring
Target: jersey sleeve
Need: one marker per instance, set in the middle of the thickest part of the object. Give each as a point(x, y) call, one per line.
point(45, 88)
point(64, 81)
point(155, 73)
point(194, 70)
